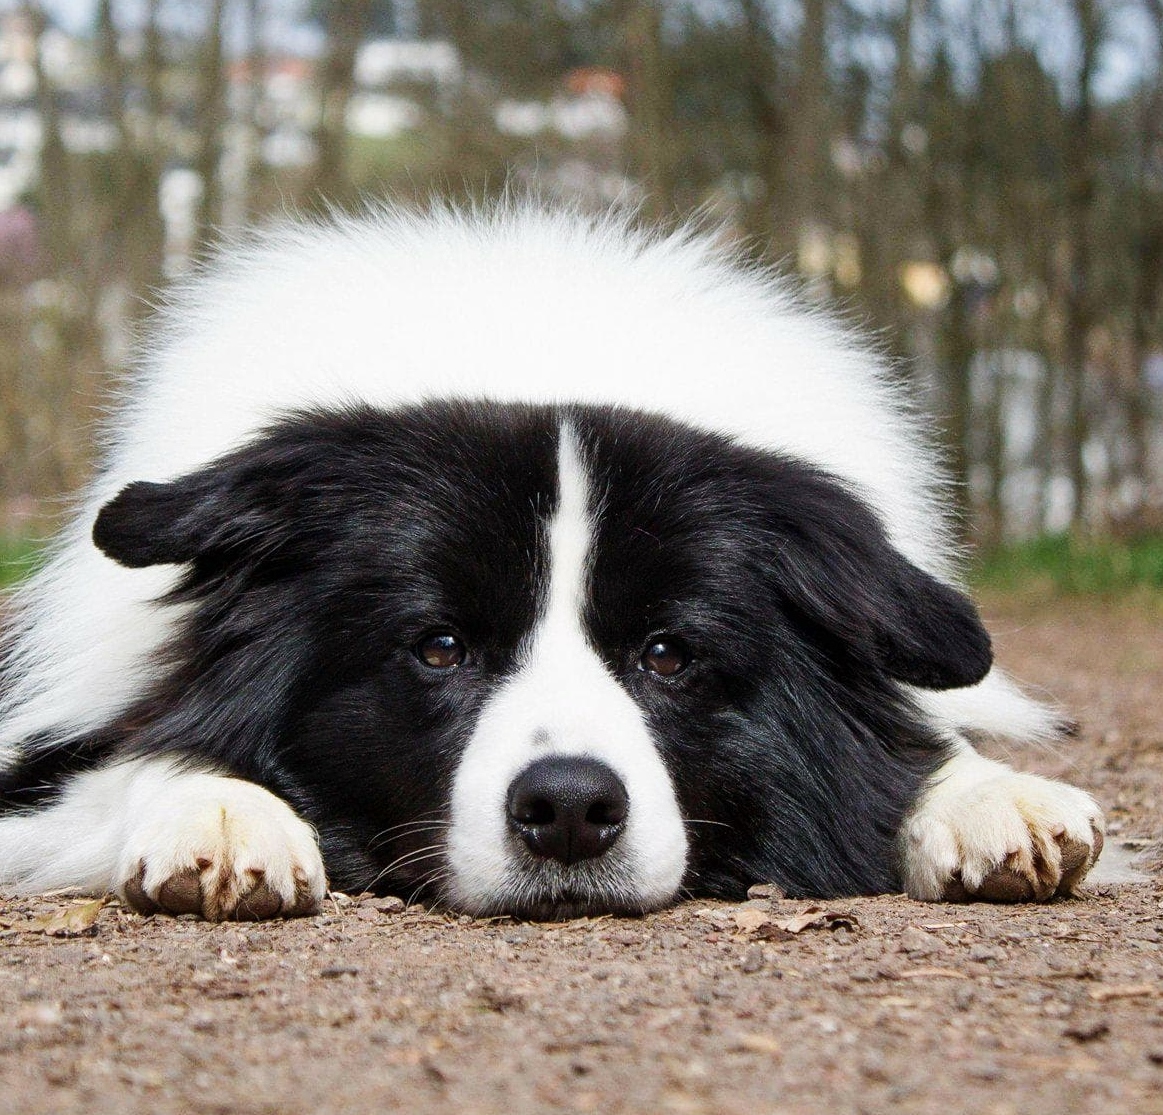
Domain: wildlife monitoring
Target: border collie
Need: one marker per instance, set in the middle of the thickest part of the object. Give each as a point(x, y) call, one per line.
point(519, 560)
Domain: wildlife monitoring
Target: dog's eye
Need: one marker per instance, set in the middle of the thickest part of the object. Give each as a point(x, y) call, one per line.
point(665, 657)
point(441, 650)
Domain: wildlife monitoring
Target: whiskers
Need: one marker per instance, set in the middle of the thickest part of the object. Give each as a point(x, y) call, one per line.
point(427, 822)
point(407, 861)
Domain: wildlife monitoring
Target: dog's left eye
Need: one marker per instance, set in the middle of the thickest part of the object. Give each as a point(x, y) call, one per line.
point(665, 657)
point(441, 650)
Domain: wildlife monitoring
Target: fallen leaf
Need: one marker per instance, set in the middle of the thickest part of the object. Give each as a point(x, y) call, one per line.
point(772, 933)
point(1125, 991)
point(931, 973)
point(72, 921)
point(1087, 1029)
point(749, 920)
point(757, 1043)
point(816, 917)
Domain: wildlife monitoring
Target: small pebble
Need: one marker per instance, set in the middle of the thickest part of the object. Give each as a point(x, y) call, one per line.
point(916, 942)
point(983, 953)
point(1087, 1029)
point(766, 890)
point(753, 959)
point(339, 970)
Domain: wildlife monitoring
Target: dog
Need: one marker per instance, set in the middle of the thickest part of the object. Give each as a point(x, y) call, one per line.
point(517, 560)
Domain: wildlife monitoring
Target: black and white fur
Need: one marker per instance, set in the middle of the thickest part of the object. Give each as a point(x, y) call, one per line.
point(555, 443)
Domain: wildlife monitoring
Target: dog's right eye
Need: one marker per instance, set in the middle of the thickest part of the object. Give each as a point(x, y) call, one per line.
point(441, 650)
point(665, 657)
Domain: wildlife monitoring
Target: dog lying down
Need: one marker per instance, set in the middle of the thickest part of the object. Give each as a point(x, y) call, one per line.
point(519, 561)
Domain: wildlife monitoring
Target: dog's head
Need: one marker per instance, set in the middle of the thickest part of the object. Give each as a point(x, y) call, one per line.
point(548, 660)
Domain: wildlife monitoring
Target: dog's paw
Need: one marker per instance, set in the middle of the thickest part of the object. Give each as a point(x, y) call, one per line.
point(222, 848)
point(1005, 837)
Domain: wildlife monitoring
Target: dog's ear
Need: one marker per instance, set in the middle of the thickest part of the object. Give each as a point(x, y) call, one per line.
point(161, 524)
point(837, 568)
point(152, 524)
point(249, 502)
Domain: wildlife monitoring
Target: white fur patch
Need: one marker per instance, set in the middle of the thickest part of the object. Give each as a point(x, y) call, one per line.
point(979, 815)
point(563, 701)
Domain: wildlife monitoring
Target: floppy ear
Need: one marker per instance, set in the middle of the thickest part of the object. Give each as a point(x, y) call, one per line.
point(150, 524)
point(218, 510)
point(838, 569)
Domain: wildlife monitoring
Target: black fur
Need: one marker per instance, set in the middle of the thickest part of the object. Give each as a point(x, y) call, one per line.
point(318, 556)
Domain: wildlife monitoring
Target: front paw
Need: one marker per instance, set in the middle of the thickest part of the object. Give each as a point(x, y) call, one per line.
point(222, 848)
point(1010, 837)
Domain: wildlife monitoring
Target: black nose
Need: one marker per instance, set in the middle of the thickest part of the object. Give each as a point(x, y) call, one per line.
point(568, 808)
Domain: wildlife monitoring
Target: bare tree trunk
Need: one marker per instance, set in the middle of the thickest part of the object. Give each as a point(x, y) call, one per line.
point(256, 92)
point(810, 125)
point(1148, 286)
point(345, 23)
point(769, 119)
point(1080, 189)
point(652, 134)
point(211, 120)
point(112, 71)
point(151, 77)
point(55, 179)
point(146, 253)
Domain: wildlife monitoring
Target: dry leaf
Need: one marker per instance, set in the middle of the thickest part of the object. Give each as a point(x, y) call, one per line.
point(749, 919)
point(1125, 991)
point(757, 1043)
point(816, 917)
point(72, 921)
point(773, 933)
point(931, 973)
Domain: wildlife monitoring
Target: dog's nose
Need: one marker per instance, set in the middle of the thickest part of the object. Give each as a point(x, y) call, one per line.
point(568, 808)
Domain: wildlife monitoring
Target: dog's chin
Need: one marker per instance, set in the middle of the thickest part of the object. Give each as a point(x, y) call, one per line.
point(566, 908)
point(548, 892)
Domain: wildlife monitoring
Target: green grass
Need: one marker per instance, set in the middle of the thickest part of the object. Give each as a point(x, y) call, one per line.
point(18, 558)
point(1074, 567)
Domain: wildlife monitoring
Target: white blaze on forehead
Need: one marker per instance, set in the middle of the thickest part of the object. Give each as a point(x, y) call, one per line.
point(563, 700)
point(569, 538)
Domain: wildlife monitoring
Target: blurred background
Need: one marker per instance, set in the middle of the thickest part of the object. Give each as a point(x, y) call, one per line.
point(978, 181)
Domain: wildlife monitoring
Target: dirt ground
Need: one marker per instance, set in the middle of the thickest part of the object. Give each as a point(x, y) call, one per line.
point(879, 1005)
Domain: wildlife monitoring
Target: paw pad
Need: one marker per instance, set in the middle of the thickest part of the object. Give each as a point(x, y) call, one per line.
point(218, 896)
